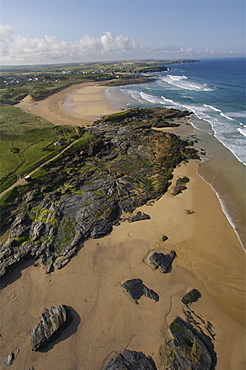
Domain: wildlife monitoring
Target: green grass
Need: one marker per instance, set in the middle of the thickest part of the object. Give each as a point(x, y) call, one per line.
point(27, 141)
point(118, 116)
point(85, 139)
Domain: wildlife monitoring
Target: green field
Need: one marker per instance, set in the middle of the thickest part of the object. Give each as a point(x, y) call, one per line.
point(27, 141)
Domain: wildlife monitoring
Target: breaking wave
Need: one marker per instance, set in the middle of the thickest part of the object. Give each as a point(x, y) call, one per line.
point(183, 82)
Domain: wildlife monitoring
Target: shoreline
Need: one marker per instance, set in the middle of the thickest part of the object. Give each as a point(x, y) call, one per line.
point(108, 321)
point(53, 107)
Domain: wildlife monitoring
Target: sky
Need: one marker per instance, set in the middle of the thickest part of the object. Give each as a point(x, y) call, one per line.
point(46, 32)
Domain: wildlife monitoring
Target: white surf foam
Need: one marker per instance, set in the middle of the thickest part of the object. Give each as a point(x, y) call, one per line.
point(183, 82)
point(241, 114)
point(211, 107)
point(151, 98)
point(224, 115)
point(242, 131)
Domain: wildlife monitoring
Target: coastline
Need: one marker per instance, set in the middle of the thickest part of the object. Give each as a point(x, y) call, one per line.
point(74, 105)
point(209, 258)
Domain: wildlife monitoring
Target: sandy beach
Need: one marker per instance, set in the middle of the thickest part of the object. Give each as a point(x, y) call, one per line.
point(106, 321)
point(86, 102)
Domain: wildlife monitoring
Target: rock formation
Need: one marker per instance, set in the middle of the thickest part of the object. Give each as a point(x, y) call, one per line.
point(190, 349)
point(131, 360)
point(180, 185)
point(120, 164)
point(192, 296)
point(162, 261)
point(139, 216)
point(136, 289)
point(52, 321)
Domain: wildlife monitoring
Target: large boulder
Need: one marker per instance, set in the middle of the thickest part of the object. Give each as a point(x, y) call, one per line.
point(131, 360)
point(52, 322)
point(162, 261)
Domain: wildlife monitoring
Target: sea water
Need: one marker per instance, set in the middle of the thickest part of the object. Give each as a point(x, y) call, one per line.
point(214, 92)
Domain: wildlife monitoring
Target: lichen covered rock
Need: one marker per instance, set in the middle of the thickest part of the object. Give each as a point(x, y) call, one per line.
point(190, 349)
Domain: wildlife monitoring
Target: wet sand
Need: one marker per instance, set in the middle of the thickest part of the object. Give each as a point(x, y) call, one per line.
point(209, 258)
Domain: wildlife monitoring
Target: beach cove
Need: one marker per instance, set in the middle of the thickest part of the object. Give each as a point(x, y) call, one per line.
point(209, 258)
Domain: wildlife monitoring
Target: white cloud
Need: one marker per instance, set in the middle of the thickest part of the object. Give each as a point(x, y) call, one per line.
point(18, 49)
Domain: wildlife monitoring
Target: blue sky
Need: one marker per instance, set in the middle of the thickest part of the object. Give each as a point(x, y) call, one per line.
point(34, 32)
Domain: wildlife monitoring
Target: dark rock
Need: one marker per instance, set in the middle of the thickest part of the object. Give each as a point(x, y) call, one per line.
point(139, 216)
point(135, 288)
point(189, 212)
point(162, 261)
point(190, 349)
point(67, 257)
point(131, 360)
point(164, 238)
point(52, 321)
point(180, 185)
point(191, 296)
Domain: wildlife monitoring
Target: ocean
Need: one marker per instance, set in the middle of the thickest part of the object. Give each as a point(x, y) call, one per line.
point(214, 91)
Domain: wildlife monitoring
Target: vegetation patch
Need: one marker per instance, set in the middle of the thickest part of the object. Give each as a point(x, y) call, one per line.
point(27, 141)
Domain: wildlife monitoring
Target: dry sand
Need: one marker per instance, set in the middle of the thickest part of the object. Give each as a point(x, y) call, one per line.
point(106, 320)
point(86, 101)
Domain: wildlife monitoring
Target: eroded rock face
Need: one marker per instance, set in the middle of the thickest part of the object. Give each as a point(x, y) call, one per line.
point(131, 360)
point(123, 165)
point(136, 289)
point(190, 349)
point(52, 322)
point(162, 261)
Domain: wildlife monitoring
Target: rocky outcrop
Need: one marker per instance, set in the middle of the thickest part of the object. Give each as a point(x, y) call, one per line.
point(192, 296)
point(180, 185)
point(190, 349)
point(131, 360)
point(162, 261)
point(119, 165)
point(136, 289)
point(52, 322)
point(139, 216)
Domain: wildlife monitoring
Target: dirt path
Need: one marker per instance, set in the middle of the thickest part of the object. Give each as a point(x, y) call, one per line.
point(22, 181)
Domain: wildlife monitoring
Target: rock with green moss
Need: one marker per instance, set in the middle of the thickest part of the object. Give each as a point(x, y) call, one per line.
point(189, 348)
point(192, 296)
